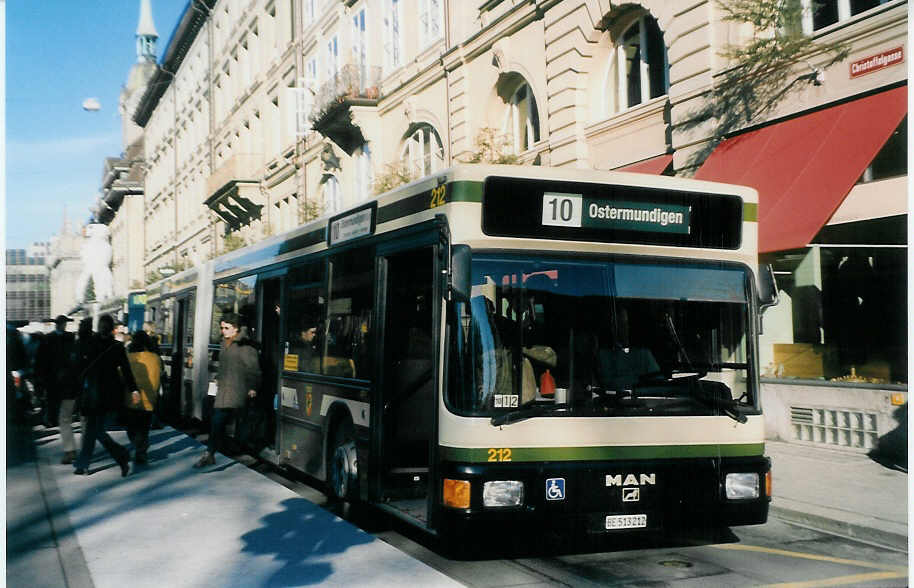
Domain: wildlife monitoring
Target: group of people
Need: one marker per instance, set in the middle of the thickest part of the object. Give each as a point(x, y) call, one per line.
point(96, 374)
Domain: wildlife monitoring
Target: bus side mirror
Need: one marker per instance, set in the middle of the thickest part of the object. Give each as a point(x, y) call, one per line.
point(460, 273)
point(767, 288)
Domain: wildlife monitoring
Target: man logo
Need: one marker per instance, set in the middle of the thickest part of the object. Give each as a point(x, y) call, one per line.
point(631, 494)
point(631, 480)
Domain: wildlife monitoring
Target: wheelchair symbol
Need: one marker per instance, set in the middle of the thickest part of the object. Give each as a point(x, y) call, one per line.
point(555, 489)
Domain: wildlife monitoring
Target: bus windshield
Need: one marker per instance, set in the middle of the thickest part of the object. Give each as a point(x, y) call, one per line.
point(601, 337)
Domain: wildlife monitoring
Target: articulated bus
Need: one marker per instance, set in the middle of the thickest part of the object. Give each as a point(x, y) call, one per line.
point(497, 344)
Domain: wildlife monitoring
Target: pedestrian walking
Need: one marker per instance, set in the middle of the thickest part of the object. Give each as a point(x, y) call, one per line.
point(104, 376)
point(237, 379)
point(46, 368)
point(147, 371)
point(58, 368)
point(154, 339)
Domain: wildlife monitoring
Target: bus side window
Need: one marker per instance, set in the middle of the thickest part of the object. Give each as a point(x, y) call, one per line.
point(349, 308)
point(305, 336)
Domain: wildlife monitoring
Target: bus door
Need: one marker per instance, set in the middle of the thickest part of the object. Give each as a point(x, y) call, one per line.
point(407, 377)
point(184, 361)
point(264, 435)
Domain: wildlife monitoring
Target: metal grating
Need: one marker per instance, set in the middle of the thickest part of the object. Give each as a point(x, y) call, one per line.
point(830, 426)
point(798, 414)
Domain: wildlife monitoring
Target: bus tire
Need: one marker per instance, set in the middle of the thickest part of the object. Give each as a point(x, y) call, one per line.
point(342, 465)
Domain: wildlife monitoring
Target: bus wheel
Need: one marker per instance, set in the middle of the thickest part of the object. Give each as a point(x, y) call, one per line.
point(343, 474)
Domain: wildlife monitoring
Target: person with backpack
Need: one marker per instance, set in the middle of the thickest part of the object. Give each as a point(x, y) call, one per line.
point(104, 376)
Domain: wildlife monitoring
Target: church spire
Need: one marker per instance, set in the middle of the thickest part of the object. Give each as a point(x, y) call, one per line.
point(146, 34)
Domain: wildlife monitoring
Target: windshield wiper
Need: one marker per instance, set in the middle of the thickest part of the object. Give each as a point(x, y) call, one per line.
point(728, 406)
point(697, 391)
point(526, 411)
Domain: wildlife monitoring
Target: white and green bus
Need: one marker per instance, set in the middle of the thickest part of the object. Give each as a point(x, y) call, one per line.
point(566, 348)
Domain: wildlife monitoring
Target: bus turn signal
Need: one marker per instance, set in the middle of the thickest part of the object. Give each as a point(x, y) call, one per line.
point(456, 493)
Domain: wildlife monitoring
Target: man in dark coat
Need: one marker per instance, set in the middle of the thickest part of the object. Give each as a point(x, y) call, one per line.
point(104, 377)
point(238, 379)
point(58, 368)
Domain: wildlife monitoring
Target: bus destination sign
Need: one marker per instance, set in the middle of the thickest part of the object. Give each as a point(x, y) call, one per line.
point(573, 210)
point(352, 225)
point(610, 213)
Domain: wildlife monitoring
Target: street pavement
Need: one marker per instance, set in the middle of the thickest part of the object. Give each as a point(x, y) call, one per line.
point(839, 492)
point(168, 524)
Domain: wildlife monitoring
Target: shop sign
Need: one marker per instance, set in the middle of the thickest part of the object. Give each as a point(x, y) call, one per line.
point(876, 62)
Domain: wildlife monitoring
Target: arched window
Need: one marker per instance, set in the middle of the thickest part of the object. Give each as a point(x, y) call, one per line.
point(364, 173)
point(521, 122)
point(333, 198)
point(639, 69)
point(422, 153)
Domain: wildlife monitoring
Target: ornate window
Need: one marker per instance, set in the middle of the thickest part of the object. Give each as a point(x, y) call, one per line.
point(393, 50)
point(520, 123)
point(639, 70)
point(422, 152)
point(332, 57)
point(364, 173)
point(333, 197)
point(430, 22)
point(360, 47)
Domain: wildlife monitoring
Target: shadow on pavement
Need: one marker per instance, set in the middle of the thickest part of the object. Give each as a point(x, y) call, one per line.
point(299, 536)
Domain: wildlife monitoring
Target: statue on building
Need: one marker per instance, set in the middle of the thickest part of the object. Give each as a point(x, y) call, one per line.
point(95, 254)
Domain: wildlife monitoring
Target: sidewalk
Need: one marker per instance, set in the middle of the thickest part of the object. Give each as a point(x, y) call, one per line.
point(168, 524)
point(844, 493)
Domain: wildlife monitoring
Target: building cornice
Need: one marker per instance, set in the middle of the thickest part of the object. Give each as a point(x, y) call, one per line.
point(182, 38)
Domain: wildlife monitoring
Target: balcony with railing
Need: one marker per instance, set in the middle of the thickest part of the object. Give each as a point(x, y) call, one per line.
point(354, 85)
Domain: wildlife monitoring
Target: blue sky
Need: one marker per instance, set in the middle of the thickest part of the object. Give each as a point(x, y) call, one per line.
point(58, 53)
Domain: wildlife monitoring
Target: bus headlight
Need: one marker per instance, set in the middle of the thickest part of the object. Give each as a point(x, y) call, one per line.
point(503, 493)
point(741, 486)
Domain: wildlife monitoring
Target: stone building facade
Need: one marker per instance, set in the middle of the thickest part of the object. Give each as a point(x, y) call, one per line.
point(264, 113)
point(64, 267)
point(120, 205)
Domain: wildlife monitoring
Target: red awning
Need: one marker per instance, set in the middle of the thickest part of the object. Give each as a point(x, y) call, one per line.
point(805, 166)
point(654, 165)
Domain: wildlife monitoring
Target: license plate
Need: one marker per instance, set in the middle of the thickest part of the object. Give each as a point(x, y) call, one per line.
point(634, 521)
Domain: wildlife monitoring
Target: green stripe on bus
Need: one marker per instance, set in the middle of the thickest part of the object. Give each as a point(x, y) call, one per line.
point(750, 212)
point(526, 454)
point(464, 191)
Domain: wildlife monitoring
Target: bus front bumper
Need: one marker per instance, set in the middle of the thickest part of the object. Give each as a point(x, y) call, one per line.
point(608, 497)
